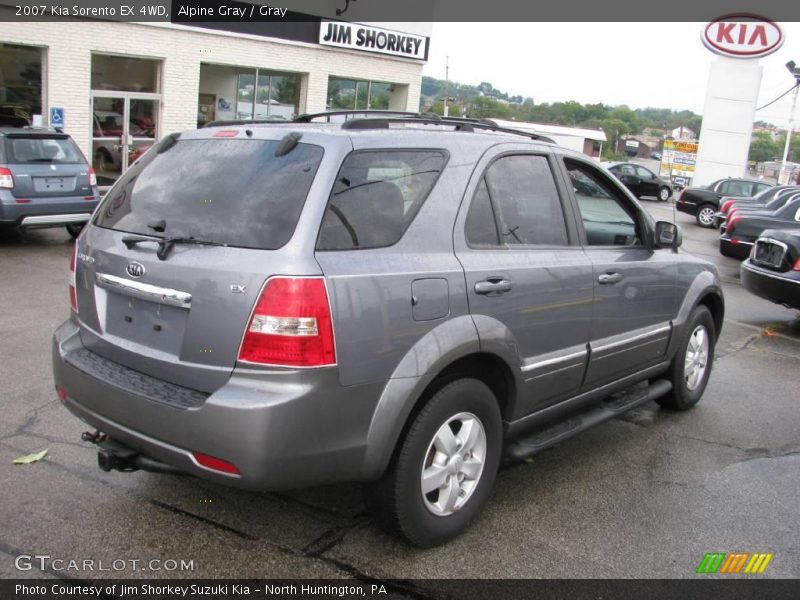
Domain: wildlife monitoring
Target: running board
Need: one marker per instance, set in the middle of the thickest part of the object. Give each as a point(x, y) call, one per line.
point(612, 407)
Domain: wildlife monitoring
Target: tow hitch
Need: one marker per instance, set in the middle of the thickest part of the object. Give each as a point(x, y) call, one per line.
point(113, 456)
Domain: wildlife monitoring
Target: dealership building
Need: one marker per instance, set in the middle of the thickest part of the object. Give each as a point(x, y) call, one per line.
point(115, 87)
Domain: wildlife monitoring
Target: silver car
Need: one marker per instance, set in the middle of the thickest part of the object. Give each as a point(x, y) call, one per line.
point(399, 301)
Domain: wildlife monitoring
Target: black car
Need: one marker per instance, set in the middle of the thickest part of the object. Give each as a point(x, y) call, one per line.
point(780, 200)
point(744, 227)
point(642, 181)
point(703, 202)
point(770, 199)
point(45, 180)
point(773, 269)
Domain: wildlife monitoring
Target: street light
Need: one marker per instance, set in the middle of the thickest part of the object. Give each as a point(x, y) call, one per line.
point(795, 71)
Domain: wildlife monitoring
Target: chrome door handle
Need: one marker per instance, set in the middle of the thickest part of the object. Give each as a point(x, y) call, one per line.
point(493, 286)
point(609, 278)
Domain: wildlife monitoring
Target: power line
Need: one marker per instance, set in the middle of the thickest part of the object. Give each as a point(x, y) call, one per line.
point(779, 97)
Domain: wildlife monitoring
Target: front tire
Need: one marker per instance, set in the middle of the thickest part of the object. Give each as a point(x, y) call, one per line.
point(664, 193)
point(691, 367)
point(705, 216)
point(444, 467)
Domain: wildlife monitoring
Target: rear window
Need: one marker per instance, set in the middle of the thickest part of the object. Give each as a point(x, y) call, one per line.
point(234, 192)
point(40, 149)
point(376, 196)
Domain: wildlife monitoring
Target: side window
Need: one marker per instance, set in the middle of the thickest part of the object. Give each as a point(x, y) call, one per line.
point(627, 170)
point(376, 196)
point(481, 229)
point(723, 187)
point(760, 187)
point(523, 193)
point(643, 173)
point(607, 218)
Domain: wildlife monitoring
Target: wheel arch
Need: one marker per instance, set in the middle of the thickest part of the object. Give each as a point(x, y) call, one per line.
point(405, 393)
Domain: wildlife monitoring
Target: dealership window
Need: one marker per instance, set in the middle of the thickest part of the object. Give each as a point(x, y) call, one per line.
point(126, 107)
point(349, 94)
point(243, 93)
point(20, 85)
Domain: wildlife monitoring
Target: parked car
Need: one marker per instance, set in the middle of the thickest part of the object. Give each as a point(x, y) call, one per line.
point(335, 312)
point(655, 155)
point(641, 181)
point(744, 227)
point(763, 200)
point(773, 269)
point(778, 201)
point(703, 202)
point(45, 180)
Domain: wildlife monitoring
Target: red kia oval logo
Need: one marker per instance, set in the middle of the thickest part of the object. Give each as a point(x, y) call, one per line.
point(742, 36)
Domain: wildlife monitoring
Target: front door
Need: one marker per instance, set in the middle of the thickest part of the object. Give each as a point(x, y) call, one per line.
point(529, 282)
point(634, 283)
point(123, 127)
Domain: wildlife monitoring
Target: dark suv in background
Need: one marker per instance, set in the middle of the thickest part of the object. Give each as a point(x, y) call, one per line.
point(45, 180)
point(392, 300)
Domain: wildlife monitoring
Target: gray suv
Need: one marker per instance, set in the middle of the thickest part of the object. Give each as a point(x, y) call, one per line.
point(45, 180)
point(399, 301)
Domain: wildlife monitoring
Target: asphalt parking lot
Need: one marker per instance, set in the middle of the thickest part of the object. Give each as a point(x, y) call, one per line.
point(645, 495)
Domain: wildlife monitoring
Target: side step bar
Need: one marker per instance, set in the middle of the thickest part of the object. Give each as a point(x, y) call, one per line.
point(614, 406)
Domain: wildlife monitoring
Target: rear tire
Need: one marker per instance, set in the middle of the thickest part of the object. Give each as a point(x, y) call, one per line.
point(75, 229)
point(691, 367)
point(705, 216)
point(431, 457)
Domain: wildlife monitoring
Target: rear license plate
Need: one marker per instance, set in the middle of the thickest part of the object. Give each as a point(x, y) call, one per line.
point(151, 324)
point(769, 254)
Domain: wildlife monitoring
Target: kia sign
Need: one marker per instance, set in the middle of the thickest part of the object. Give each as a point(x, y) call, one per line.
point(742, 36)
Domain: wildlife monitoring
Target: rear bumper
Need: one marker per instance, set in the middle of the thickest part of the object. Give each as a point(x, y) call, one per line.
point(770, 285)
point(734, 248)
point(281, 429)
point(46, 212)
point(690, 208)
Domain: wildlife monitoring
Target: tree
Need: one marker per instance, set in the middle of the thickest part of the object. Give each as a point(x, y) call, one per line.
point(763, 148)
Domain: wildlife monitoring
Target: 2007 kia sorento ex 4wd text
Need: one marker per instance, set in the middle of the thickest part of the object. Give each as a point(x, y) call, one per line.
point(395, 301)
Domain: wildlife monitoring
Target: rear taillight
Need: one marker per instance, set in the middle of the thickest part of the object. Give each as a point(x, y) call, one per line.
point(6, 179)
point(92, 177)
point(291, 325)
point(732, 221)
point(725, 206)
point(73, 296)
point(215, 464)
point(680, 198)
point(796, 266)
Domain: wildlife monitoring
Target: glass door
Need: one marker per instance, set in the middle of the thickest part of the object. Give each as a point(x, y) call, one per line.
point(123, 127)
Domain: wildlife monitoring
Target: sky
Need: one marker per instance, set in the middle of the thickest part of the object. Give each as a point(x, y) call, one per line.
point(663, 65)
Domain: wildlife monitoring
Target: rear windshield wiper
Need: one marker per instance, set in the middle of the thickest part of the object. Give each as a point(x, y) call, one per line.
point(165, 244)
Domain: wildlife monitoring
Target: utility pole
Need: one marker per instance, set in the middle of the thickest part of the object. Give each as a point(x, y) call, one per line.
point(447, 83)
point(796, 73)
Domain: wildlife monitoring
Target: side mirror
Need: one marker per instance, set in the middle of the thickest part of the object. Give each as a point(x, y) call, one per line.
point(668, 235)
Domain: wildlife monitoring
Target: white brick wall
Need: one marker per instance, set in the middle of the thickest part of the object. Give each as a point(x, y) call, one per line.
point(67, 69)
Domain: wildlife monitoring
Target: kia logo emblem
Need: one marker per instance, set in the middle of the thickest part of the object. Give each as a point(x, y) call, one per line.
point(135, 269)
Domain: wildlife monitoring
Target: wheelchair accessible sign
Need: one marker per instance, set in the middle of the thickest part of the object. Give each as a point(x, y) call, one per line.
point(56, 117)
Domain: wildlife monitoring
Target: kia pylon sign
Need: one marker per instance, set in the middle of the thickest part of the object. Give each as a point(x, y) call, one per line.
point(742, 36)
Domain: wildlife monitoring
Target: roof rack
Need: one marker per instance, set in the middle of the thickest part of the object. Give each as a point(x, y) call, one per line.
point(308, 118)
point(232, 122)
point(383, 119)
point(458, 123)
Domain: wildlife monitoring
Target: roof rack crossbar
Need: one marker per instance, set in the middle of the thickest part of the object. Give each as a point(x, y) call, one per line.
point(459, 124)
point(309, 118)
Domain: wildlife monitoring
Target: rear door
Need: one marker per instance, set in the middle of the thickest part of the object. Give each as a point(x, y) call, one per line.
point(181, 317)
point(648, 183)
point(45, 166)
point(526, 274)
point(634, 296)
